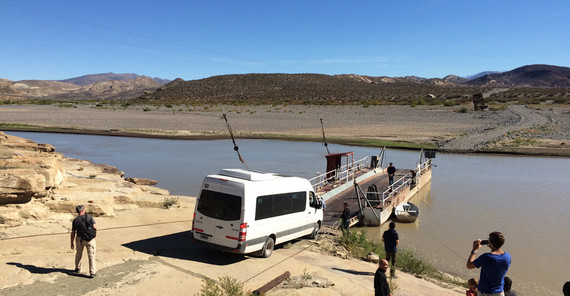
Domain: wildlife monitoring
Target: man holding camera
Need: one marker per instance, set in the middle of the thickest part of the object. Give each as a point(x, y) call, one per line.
point(494, 265)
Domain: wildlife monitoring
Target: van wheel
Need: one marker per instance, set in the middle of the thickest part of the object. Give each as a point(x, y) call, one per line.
point(315, 232)
point(268, 247)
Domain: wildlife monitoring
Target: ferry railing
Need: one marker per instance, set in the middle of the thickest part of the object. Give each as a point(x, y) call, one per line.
point(342, 175)
point(405, 181)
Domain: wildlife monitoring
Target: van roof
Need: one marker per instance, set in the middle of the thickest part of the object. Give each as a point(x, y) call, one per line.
point(248, 175)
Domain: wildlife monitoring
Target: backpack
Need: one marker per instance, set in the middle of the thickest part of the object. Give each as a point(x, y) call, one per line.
point(85, 228)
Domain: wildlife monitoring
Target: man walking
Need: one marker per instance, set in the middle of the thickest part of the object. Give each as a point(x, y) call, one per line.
point(83, 232)
point(391, 240)
point(391, 171)
point(345, 218)
point(381, 287)
point(494, 265)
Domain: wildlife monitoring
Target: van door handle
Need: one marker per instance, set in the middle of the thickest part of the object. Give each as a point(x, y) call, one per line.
point(220, 227)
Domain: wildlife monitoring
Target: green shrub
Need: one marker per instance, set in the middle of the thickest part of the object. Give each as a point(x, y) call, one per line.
point(358, 245)
point(226, 286)
point(170, 202)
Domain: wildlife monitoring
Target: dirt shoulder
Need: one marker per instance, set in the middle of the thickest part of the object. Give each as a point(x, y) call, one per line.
point(538, 130)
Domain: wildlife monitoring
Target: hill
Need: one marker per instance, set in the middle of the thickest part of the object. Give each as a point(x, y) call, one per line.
point(94, 78)
point(527, 76)
point(304, 89)
point(526, 84)
point(64, 91)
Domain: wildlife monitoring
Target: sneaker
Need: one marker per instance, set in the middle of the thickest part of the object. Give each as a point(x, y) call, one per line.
point(76, 270)
point(92, 276)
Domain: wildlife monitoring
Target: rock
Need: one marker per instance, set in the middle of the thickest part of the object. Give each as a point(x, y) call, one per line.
point(27, 169)
point(373, 257)
point(90, 208)
point(10, 216)
point(20, 185)
point(340, 254)
point(142, 181)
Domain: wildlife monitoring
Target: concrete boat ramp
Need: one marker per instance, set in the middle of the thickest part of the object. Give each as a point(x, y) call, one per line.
point(364, 185)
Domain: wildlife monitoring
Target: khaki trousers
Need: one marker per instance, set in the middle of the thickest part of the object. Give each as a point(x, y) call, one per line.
point(91, 247)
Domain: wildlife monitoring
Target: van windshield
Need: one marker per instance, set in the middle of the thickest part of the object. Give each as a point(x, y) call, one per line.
point(219, 205)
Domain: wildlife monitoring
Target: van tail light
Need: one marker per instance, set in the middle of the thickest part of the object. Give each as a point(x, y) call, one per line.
point(242, 232)
point(193, 219)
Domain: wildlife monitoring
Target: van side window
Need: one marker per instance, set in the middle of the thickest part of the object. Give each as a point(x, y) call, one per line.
point(274, 205)
point(312, 199)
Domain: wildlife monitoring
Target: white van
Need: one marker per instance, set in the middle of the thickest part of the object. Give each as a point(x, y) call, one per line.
point(245, 211)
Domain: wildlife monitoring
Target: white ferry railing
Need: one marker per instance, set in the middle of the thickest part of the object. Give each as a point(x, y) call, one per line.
point(342, 175)
point(405, 181)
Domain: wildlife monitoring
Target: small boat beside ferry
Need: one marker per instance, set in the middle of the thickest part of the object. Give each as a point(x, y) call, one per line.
point(406, 212)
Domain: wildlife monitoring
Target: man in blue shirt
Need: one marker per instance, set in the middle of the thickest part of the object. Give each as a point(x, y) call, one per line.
point(494, 265)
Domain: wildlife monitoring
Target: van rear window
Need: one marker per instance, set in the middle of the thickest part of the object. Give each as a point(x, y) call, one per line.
point(219, 205)
point(280, 204)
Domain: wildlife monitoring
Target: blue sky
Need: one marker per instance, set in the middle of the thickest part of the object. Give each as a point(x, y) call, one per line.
point(197, 39)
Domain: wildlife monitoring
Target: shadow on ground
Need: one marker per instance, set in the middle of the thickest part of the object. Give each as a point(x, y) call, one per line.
point(40, 270)
point(351, 271)
point(182, 246)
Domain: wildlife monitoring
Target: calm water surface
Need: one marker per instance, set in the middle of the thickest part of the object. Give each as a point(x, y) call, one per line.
point(526, 198)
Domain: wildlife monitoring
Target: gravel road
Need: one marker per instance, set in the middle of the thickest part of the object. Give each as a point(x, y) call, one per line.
point(524, 118)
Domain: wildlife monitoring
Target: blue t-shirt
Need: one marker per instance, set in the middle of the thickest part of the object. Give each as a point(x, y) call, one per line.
point(390, 237)
point(493, 270)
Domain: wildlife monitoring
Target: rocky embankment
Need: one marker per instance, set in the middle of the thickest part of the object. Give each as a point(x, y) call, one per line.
point(37, 183)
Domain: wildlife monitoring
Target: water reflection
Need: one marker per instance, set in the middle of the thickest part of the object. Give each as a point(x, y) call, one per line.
point(526, 198)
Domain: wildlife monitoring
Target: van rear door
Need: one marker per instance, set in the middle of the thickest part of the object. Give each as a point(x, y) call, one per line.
point(218, 212)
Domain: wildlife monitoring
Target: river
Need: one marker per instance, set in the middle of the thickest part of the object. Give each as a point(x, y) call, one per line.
point(526, 198)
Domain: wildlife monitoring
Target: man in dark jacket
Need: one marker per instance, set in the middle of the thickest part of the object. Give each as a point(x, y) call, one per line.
point(381, 287)
point(345, 217)
point(391, 172)
point(78, 227)
point(391, 240)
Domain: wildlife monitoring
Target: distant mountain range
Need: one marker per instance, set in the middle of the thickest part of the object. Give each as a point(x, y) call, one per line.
point(481, 74)
point(107, 86)
point(527, 76)
point(292, 88)
point(94, 78)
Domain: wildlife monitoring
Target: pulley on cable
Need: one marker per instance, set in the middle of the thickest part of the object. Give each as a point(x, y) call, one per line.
point(236, 148)
point(324, 139)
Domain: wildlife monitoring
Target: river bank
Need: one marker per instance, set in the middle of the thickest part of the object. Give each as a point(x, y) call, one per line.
point(516, 129)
